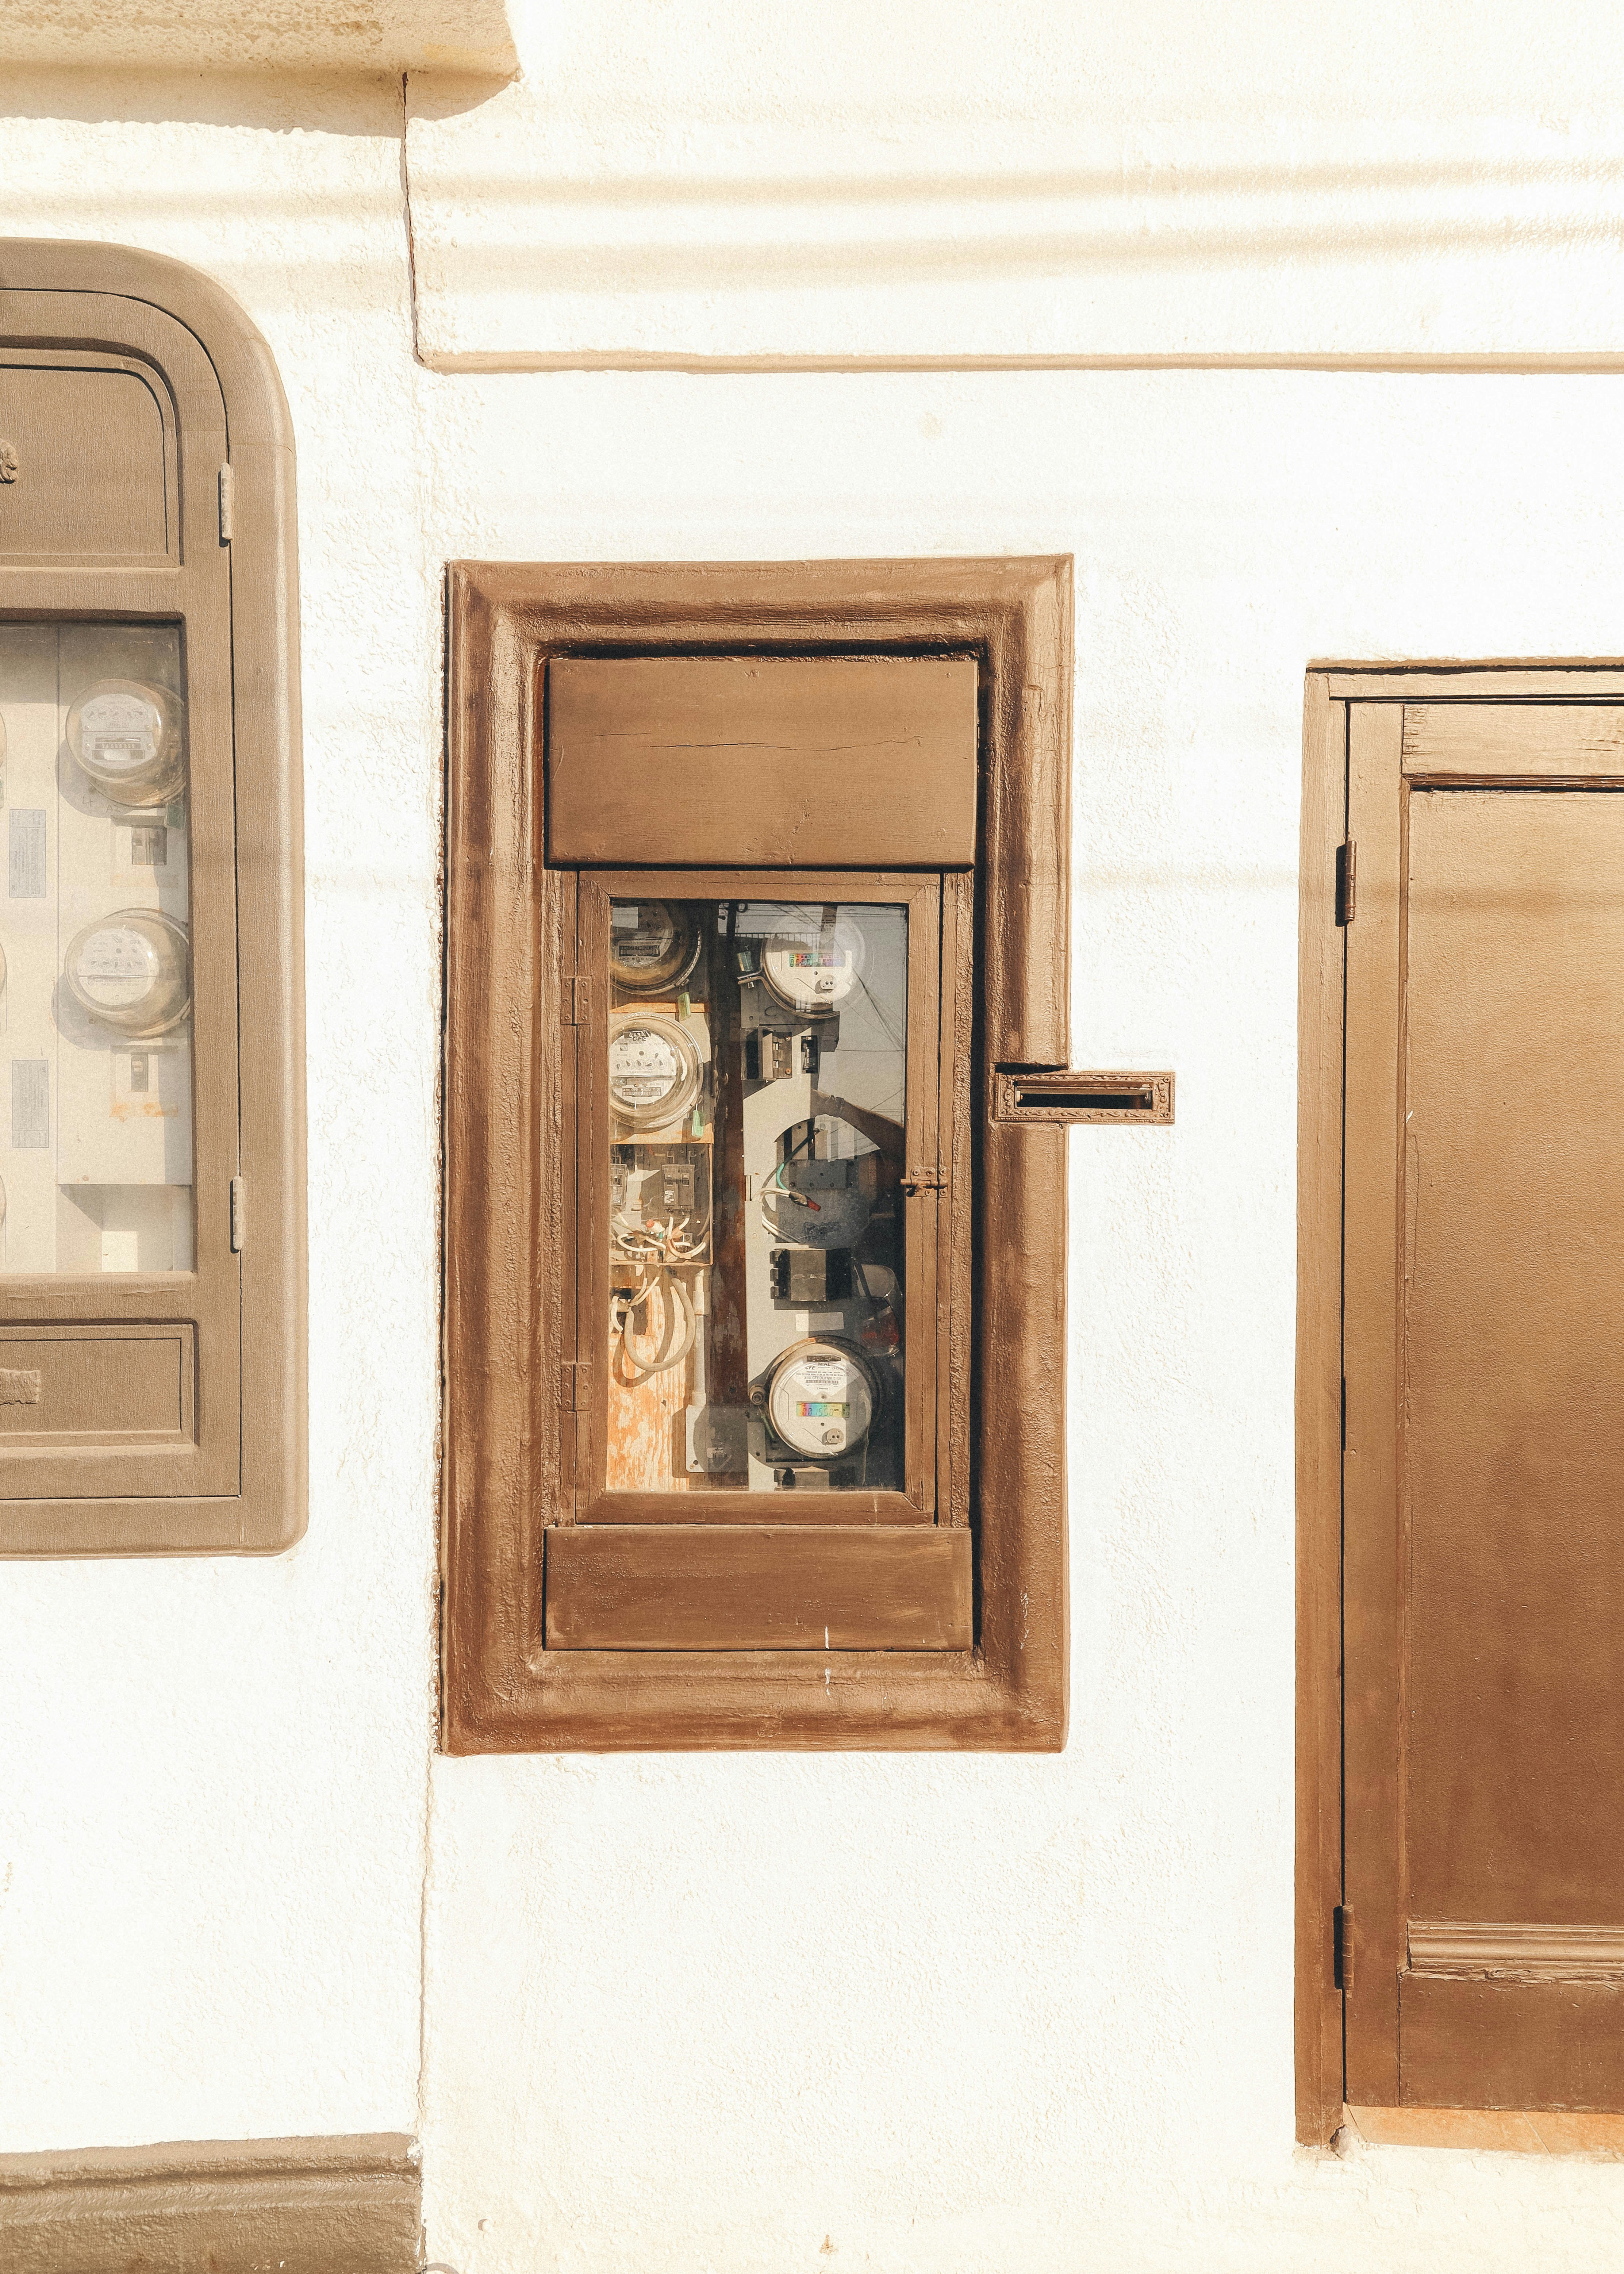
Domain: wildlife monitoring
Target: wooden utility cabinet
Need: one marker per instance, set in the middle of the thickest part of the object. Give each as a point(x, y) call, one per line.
point(152, 1237)
point(755, 1275)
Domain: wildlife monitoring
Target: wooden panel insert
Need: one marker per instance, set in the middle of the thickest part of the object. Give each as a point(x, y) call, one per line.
point(741, 761)
point(769, 1587)
point(1514, 741)
point(89, 475)
point(79, 1385)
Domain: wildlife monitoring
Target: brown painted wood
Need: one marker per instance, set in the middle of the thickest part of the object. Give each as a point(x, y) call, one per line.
point(1485, 1576)
point(240, 1484)
point(769, 1587)
point(1573, 741)
point(1318, 2005)
point(511, 1171)
point(1474, 683)
point(1373, 1542)
point(1512, 2045)
point(322, 2206)
point(865, 762)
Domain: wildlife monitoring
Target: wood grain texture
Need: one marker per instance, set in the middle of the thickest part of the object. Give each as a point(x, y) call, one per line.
point(242, 1486)
point(1520, 742)
point(1372, 1538)
point(1531, 1953)
point(766, 1587)
point(857, 762)
point(510, 1321)
point(1512, 2131)
point(1511, 2045)
point(1318, 2001)
point(1473, 682)
point(322, 2206)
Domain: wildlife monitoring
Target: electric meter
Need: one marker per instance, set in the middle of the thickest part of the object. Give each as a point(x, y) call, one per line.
point(127, 738)
point(814, 971)
point(653, 945)
point(654, 1070)
point(822, 1399)
point(130, 971)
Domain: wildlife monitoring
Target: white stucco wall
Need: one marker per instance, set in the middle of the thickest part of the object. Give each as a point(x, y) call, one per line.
point(757, 2013)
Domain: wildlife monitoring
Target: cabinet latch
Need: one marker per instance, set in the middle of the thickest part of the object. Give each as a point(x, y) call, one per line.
point(924, 1180)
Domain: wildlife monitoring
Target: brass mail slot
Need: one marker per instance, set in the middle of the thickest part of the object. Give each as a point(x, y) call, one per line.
point(1066, 1096)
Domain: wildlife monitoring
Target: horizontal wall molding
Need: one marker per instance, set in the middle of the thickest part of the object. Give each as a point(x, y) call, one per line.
point(340, 2205)
point(369, 36)
point(1523, 1953)
point(551, 230)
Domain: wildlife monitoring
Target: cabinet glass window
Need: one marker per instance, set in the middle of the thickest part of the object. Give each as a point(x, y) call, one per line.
point(755, 1081)
point(95, 986)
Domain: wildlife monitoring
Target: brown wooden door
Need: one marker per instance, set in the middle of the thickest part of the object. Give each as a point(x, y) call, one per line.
point(1483, 1468)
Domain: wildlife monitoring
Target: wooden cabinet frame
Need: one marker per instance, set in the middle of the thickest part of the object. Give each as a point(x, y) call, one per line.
point(1329, 1793)
point(511, 1101)
point(220, 567)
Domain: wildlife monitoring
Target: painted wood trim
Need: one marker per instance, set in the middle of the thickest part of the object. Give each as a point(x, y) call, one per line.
point(702, 1586)
point(1476, 682)
point(508, 1319)
point(1528, 1953)
point(1317, 2003)
point(1506, 743)
point(1512, 2131)
point(345, 2205)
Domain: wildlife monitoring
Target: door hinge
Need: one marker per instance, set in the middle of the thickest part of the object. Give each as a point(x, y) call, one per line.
point(227, 503)
point(924, 1180)
point(575, 1002)
point(237, 1216)
point(1347, 881)
point(573, 1382)
point(1342, 1946)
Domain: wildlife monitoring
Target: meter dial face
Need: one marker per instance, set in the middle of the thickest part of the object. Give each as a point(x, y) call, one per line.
point(653, 945)
point(127, 738)
point(812, 971)
point(822, 1400)
point(130, 971)
point(654, 1070)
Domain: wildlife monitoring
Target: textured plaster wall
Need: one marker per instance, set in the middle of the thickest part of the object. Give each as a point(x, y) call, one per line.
point(752, 2013)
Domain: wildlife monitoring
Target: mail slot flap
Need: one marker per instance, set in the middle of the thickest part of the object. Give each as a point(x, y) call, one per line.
point(762, 761)
point(86, 1383)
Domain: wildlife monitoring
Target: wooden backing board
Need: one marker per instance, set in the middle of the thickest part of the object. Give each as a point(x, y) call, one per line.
point(863, 762)
point(766, 1588)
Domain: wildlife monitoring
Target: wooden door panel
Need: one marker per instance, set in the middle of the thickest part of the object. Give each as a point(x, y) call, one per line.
point(1512, 2045)
point(1514, 1345)
point(1484, 1472)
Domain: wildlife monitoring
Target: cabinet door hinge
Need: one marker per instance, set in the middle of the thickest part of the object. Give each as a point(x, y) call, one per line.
point(573, 1379)
point(237, 1216)
point(1347, 881)
point(1342, 1946)
point(225, 505)
point(575, 1002)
